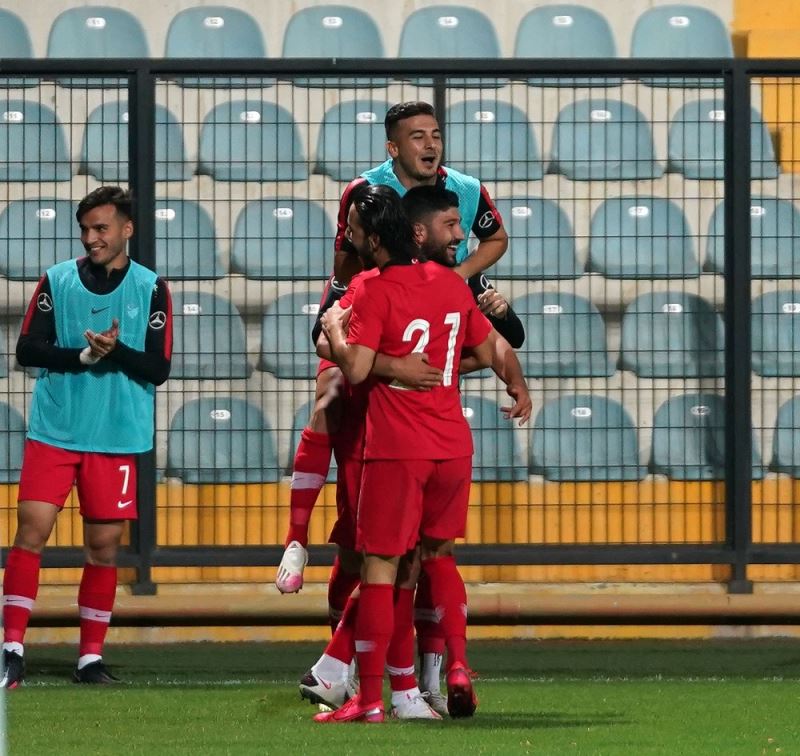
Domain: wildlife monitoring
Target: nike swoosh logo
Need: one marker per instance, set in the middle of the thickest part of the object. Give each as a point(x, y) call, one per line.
point(123, 504)
point(326, 685)
point(95, 310)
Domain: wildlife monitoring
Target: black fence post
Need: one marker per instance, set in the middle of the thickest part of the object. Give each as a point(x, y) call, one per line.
point(738, 414)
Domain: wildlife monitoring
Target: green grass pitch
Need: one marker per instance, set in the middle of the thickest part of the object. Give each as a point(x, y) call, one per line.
point(546, 697)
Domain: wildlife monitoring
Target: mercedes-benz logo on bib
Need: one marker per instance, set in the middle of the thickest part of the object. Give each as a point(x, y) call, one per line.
point(486, 219)
point(158, 320)
point(44, 303)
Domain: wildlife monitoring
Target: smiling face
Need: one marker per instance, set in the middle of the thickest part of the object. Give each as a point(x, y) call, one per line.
point(104, 235)
point(439, 236)
point(416, 148)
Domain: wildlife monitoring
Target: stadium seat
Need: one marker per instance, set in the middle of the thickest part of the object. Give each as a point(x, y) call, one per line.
point(697, 142)
point(186, 248)
point(105, 144)
point(497, 455)
point(541, 241)
point(301, 419)
point(450, 31)
point(286, 348)
point(680, 31)
point(15, 42)
point(12, 440)
point(585, 437)
point(221, 439)
point(786, 440)
point(36, 234)
point(775, 328)
point(689, 439)
point(566, 31)
point(352, 139)
point(641, 237)
point(605, 140)
point(214, 31)
point(329, 31)
point(209, 338)
point(33, 146)
point(284, 239)
point(774, 239)
point(492, 140)
point(251, 140)
point(5, 351)
point(565, 336)
point(672, 335)
point(95, 31)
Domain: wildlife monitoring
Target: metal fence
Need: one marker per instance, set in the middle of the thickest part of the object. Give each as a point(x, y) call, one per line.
point(650, 209)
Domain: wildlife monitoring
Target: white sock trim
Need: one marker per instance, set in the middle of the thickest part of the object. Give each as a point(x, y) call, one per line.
point(24, 602)
point(96, 615)
point(303, 480)
point(15, 647)
point(87, 659)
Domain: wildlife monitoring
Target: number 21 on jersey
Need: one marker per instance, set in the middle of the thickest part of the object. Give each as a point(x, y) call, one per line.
point(451, 319)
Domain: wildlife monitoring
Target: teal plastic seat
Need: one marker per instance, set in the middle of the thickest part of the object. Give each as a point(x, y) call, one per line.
point(5, 350)
point(689, 439)
point(681, 31)
point(786, 439)
point(672, 335)
point(351, 139)
point(12, 441)
point(251, 140)
point(641, 237)
point(208, 337)
point(301, 419)
point(282, 239)
point(33, 145)
point(105, 144)
point(775, 328)
point(497, 455)
point(492, 140)
point(603, 140)
point(96, 31)
point(217, 32)
point(221, 439)
point(566, 31)
point(585, 437)
point(333, 31)
point(541, 240)
point(286, 348)
point(696, 144)
point(15, 42)
point(36, 234)
point(774, 239)
point(186, 246)
point(450, 31)
point(565, 336)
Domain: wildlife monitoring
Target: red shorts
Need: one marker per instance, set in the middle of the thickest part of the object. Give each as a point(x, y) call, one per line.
point(348, 484)
point(401, 499)
point(106, 482)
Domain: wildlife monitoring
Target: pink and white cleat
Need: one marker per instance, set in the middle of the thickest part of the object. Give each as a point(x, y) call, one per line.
point(289, 578)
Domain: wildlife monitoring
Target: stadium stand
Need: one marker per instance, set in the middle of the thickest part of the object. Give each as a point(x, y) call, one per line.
point(35, 234)
point(15, 42)
point(497, 455)
point(564, 336)
point(585, 437)
point(33, 146)
point(786, 439)
point(541, 240)
point(251, 140)
point(672, 334)
point(186, 247)
point(12, 439)
point(221, 439)
point(286, 349)
point(641, 237)
point(209, 337)
point(284, 239)
point(775, 321)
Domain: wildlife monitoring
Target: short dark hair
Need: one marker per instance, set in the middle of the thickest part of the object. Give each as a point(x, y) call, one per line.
point(419, 202)
point(107, 195)
point(404, 110)
point(380, 211)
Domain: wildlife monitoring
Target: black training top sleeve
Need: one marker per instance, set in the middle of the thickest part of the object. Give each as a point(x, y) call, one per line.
point(333, 293)
point(510, 327)
point(488, 220)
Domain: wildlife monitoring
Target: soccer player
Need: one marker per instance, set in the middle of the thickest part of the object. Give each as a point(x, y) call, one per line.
point(414, 144)
point(418, 448)
point(100, 328)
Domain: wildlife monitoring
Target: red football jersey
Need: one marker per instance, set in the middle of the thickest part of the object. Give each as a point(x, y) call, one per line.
point(417, 308)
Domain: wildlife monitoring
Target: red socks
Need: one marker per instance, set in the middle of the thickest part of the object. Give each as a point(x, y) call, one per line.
point(430, 639)
point(340, 585)
point(311, 463)
point(400, 654)
point(374, 626)
point(450, 604)
point(95, 602)
point(20, 586)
